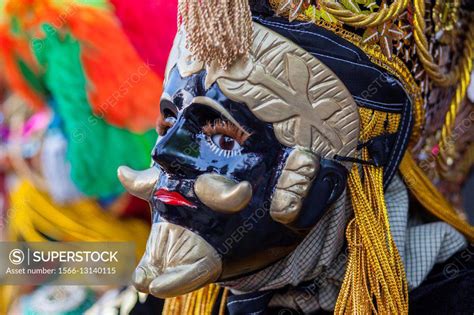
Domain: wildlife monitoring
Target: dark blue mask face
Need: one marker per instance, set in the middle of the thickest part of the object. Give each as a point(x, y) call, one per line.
point(245, 240)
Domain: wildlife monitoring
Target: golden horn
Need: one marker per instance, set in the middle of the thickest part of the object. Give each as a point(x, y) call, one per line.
point(176, 261)
point(222, 194)
point(138, 183)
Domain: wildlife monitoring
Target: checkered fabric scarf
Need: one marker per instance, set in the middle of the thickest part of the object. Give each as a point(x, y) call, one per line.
point(310, 277)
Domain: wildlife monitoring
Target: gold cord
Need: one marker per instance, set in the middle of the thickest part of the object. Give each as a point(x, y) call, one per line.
point(363, 19)
point(460, 94)
point(375, 280)
point(422, 48)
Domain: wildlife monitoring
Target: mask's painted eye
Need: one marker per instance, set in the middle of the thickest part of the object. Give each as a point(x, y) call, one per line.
point(225, 142)
point(225, 138)
point(224, 145)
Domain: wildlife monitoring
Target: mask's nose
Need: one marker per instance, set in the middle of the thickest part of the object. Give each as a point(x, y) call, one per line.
point(176, 152)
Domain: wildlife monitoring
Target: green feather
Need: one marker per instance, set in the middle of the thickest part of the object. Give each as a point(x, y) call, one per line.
point(33, 80)
point(95, 148)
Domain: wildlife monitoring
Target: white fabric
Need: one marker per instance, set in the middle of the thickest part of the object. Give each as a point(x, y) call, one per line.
point(470, 88)
point(56, 169)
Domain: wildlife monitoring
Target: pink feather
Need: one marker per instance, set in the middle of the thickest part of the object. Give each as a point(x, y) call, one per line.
point(151, 26)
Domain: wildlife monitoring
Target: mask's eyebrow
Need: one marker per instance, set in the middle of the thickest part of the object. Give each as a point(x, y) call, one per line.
point(207, 101)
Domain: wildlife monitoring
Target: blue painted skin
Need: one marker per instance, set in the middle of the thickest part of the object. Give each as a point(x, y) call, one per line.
point(184, 152)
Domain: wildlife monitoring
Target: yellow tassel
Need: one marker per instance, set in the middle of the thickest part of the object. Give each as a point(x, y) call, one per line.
point(199, 302)
point(33, 212)
point(375, 280)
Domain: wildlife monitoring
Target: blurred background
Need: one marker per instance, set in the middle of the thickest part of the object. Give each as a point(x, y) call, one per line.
point(80, 84)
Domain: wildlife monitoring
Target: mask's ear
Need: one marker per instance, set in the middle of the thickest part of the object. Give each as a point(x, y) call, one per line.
point(306, 182)
point(293, 185)
point(328, 186)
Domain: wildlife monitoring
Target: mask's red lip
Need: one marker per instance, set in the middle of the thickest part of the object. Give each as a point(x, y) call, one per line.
point(173, 198)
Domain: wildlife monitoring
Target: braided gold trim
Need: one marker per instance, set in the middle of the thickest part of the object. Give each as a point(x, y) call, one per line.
point(362, 19)
point(431, 68)
point(461, 91)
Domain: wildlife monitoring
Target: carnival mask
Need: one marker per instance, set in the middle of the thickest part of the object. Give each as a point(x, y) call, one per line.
point(248, 160)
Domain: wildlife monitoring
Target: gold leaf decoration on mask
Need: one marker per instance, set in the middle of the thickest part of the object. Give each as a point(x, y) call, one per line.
point(307, 103)
point(282, 84)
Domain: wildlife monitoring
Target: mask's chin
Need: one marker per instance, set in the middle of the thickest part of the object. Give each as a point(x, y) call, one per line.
point(177, 261)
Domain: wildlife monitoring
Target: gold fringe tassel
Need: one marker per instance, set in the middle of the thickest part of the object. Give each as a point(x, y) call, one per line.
point(375, 280)
point(199, 302)
point(217, 30)
point(431, 199)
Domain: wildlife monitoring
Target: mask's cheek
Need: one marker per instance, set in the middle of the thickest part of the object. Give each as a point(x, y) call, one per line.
point(176, 261)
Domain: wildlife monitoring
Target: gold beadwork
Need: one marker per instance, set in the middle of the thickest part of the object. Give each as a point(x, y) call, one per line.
point(445, 15)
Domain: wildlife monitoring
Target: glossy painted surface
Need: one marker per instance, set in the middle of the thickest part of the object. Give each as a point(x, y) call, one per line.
point(184, 152)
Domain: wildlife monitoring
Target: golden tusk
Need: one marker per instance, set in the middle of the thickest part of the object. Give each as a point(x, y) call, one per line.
point(222, 194)
point(139, 183)
point(176, 261)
